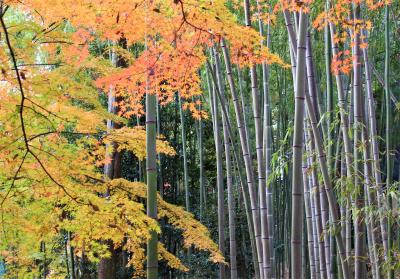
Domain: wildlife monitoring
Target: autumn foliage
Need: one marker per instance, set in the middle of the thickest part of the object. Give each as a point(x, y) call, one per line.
point(57, 66)
point(60, 60)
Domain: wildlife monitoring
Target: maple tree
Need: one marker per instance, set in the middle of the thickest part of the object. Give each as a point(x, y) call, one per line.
point(102, 101)
point(52, 148)
point(55, 134)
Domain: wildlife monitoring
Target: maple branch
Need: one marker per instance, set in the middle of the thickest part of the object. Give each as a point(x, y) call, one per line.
point(46, 152)
point(94, 178)
point(61, 132)
point(42, 134)
point(40, 64)
point(21, 116)
point(42, 115)
point(56, 42)
point(5, 10)
point(52, 178)
point(14, 61)
point(45, 31)
point(14, 178)
point(8, 144)
point(46, 110)
point(189, 23)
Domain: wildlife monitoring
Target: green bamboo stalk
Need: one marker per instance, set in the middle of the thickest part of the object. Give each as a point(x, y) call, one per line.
point(265, 198)
point(333, 206)
point(312, 85)
point(317, 201)
point(231, 200)
point(237, 162)
point(201, 168)
point(329, 95)
point(159, 156)
point(313, 207)
point(344, 121)
point(259, 151)
point(184, 154)
point(242, 104)
point(220, 182)
point(71, 255)
point(297, 187)
point(375, 151)
point(307, 206)
point(151, 169)
point(243, 136)
point(388, 135)
point(370, 187)
point(359, 225)
point(268, 139)
point(329, 131)
point(231, 205)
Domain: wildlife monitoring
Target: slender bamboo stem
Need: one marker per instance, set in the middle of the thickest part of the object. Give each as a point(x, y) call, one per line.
point(388, 135)
point(220, 179)
point(231, 202)
point(201, 168)
point(359, 225)
point(151, 168)
point(297, 187)
point(263, 134)
point(243, 136)
point(317, 201)
point(375, 151)
point(184, 154)
point(309, 225)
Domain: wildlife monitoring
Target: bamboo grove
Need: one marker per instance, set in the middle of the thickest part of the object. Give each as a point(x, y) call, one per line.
point(199, 139)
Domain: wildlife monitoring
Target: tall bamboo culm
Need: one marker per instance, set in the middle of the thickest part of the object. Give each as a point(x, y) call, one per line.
point(231, 198)
point(359, 225)
point(220, 175)
point(151, 169)
point(297, 187)
point(245, 152)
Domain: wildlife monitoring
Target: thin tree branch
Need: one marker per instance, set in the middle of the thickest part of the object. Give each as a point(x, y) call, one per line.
point(14, 178)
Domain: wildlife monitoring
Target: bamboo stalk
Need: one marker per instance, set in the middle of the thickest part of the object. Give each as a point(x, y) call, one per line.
point(317, 200)
point(151, 167)
point(333, 207)
point(184, 154)
point(246, 157)
point(297, 187)
point(231, 205)
point(309, 225)
point(388, 135)
point(201, 168)
point(263, 138)
point(359, 225)
point(375, 151)
point(220, 182)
